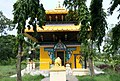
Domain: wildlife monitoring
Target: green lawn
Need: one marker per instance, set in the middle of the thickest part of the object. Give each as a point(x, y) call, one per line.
point(24, 78)
point(108, 76)
point(105, 77)
point(8, 70)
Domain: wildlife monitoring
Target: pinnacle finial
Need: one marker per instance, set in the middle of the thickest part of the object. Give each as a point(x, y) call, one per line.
point(59, 4)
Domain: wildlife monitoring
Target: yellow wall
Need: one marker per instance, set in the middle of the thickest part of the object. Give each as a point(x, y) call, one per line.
point(78, 65)
point(45, 60)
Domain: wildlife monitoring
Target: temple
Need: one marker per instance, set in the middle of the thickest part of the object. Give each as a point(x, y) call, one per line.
point(57, 38)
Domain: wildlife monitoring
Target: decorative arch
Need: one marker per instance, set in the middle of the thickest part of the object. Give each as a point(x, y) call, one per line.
point(60, 46)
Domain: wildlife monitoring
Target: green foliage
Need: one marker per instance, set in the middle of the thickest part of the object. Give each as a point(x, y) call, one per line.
point(98, 28)
point(110, 54)
point(7, 47)
point(20, 37)
point(116, 29)
point(32, 47)
point(24, 9)
point(87, 19)
point(9, 61)
point(116, 37)
point(5, 23)
point(114, 5)
point(78, 11)
point(84, 18)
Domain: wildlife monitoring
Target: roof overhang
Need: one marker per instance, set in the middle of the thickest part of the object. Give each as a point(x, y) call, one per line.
point(55, 28)
point(30, 37)
point(57, 11)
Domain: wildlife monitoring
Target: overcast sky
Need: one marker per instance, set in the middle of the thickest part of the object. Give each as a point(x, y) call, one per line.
point(6, 6)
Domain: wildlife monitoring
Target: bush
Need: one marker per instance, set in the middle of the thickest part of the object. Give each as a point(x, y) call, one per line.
point(117, 68)
point(103, 66)
point(8, 62)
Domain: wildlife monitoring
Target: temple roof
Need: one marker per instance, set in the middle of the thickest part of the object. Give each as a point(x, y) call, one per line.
point(57, 11)
point(55, 28)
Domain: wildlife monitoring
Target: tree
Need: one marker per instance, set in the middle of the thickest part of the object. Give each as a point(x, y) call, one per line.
point(98, 28)
point(116, 38)
point(32, 48)
point(5, 23)
point(109, 55)
point(91, 31)
point(116, 29)
point(7, 47)
point(114, 5)
point(24, 9)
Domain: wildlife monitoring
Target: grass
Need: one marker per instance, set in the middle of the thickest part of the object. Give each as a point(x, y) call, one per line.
point(25, 78)
point(105, 77)
point(109, 75)
point(8, 70)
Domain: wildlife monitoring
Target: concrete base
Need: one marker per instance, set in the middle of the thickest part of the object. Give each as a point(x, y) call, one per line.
point(58, 73)
point(80, 72)
point(58, 76)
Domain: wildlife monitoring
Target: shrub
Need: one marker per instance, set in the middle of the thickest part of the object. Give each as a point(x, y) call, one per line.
point(103, 66)
point(8, 62)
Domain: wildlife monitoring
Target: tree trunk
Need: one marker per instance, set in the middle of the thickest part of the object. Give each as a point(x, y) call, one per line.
point(85, 61)
point(19, 78)
point(90, 59)
point(91, 67)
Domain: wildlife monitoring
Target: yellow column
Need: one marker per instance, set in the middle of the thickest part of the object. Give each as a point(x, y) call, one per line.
point(45, 60)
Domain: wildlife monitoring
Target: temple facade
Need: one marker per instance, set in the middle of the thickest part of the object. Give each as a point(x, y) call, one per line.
point(57, 38)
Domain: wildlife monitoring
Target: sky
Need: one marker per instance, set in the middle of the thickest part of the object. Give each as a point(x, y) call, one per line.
point(6, 6)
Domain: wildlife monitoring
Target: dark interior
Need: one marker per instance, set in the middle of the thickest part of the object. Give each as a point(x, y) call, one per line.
point(61, 55)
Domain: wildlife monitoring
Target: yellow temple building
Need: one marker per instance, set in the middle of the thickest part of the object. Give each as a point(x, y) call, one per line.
point(58, 38)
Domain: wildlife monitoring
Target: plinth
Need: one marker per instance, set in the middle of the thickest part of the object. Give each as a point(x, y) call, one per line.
point(58, 73)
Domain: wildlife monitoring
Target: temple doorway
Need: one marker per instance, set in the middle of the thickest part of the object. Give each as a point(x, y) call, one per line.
point(61, 54)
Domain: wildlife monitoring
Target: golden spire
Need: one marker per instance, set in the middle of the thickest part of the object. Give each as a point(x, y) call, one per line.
point(58, 4)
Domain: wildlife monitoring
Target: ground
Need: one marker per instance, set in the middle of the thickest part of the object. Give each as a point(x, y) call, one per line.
point(8, 70)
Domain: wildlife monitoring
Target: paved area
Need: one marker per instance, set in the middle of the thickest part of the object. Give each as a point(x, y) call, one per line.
point(68, 77)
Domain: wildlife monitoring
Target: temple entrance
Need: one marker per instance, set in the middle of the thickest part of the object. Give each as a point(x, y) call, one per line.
point(60, 49)
point(61, 54)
